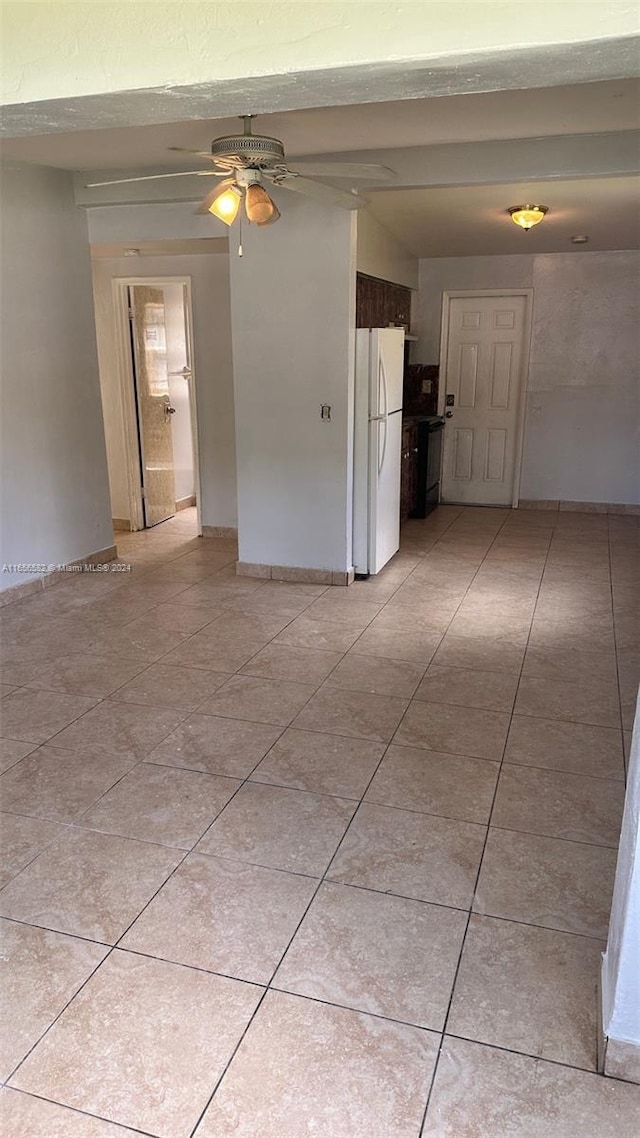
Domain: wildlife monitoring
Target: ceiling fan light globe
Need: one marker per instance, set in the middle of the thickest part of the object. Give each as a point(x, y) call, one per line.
point(259, 206)
point(275, 216)
point(226, 205)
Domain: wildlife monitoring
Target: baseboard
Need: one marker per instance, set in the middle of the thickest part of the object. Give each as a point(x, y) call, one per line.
point(294, 574)
point(230, 533)
point(185, 503)
point(56, 576)
point(578, 507)
point(121, 525)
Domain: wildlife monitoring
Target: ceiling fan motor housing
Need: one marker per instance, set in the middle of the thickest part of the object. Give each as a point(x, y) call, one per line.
point(247, 150)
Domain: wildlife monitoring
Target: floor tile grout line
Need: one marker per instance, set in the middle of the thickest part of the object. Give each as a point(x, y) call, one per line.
point(444, 634)
point(287, 947)
point(110, 952)
point(186, 854)
point(58, 932)
point(116, 945)
point(40, 850)
point(615, 646)
point(248, 777)
point(73, 825)
point(63, 1009)
point(300, 922)
point(524, 1054)
point(555, 837)
point(480, 864)
point(83, 1113)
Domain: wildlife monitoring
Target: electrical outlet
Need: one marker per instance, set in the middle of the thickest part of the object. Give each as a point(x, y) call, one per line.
point(426, 386)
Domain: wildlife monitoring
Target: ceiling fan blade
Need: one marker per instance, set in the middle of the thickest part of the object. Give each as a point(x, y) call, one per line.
point(153, 177)
point(187, 150)
point(320, 192)
point(211, 197)
point(370, 172)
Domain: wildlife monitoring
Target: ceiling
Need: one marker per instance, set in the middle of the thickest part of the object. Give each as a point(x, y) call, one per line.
point(432, 221)
point(462, 221)
point(587, 108)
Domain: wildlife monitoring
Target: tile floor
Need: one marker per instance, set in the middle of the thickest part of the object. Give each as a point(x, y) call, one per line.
point(285, 861)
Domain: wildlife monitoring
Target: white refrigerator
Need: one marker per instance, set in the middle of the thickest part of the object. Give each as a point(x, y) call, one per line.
point(377, 447)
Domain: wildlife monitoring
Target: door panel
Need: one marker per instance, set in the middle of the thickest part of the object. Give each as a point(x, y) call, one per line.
point(468, 375)
point(484, 371)
point(463, 445)
point(153, 401)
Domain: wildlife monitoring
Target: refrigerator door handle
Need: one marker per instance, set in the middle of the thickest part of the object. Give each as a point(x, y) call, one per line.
point(382, 449)
point(382, 381)
point(376, 418)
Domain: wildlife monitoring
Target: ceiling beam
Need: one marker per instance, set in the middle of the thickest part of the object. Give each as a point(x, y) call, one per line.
point(470, 163)
point(429, 73)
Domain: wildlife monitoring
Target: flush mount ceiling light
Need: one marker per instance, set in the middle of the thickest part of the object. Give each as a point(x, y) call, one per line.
point(580, 239)
point(526, 216)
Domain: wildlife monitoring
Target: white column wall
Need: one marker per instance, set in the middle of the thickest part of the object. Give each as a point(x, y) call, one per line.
point(293, 309)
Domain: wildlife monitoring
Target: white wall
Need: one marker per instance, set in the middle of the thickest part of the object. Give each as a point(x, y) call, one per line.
point(582, 440)
point(55, 502)
point(212, 365)
point(621, 965)
point(293, 315)
point(153, 221)
point(582, 423)
point(380, 254)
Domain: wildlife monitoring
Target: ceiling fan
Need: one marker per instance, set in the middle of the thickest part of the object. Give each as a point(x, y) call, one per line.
point(247, 160)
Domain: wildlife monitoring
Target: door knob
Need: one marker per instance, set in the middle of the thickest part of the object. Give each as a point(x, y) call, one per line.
point(169, 410)
point(448, 414)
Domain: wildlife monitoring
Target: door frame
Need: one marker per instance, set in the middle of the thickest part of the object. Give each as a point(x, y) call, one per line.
point(453, 294)
point(127, 389)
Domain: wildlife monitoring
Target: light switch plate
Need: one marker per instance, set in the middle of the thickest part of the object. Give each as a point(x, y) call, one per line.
point(426, 386)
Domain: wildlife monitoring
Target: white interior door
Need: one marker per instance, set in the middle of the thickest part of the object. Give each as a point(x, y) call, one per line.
point(149, 338)
point(483, 383)
point(179, 374)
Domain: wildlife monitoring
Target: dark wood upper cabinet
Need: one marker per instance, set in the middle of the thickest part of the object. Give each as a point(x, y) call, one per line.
point(380, 303)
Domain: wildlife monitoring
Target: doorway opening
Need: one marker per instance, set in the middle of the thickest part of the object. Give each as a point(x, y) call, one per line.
point(484, 355)
point(157, 385)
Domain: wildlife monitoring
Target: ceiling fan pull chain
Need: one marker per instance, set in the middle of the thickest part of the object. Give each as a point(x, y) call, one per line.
point(240, 237)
